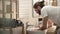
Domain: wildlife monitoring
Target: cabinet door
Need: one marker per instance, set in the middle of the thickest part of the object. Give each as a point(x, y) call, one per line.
point(7, 9)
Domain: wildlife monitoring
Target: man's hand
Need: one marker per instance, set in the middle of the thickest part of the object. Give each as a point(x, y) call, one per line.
point(43, 27)
point(50, 23)
point(44, 24)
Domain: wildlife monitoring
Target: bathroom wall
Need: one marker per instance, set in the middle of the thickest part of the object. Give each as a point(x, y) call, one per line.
point(25, 8)
point(58, 2)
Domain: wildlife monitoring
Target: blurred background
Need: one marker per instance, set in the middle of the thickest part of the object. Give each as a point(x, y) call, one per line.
point(23, 10)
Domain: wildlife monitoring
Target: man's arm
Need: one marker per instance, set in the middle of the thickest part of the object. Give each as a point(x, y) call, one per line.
point(44, 26)
point(45, 18)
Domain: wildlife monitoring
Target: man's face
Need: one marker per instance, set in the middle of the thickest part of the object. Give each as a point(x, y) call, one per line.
point(38, 9)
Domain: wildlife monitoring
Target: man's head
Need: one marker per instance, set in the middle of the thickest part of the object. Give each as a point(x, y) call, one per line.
point(37, 6)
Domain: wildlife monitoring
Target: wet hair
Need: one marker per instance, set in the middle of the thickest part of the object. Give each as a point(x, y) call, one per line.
point(41, 4)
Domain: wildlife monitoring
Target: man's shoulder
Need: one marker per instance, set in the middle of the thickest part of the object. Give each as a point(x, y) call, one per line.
point(45, 7)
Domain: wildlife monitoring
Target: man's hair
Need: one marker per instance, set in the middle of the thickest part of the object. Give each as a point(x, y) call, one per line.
point(41, 4)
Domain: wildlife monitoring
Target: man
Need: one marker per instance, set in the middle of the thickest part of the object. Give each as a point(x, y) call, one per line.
point(50, 14)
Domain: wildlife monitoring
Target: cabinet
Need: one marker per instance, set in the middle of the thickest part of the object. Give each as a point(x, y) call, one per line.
point(8, 9)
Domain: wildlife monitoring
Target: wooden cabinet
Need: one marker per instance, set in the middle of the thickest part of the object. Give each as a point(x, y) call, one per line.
point(8, 9)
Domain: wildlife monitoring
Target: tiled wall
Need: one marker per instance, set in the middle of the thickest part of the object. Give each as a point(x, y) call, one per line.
point(25, 8)
point(58, 1)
